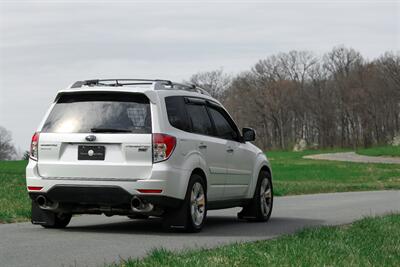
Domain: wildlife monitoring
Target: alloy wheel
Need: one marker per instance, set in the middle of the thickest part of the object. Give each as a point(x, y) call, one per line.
point(197, 204)
point(265, 196)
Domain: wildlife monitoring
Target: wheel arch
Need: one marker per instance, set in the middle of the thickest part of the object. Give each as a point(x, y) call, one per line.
point(202, 174)
point(261, 164)
point(267, 169)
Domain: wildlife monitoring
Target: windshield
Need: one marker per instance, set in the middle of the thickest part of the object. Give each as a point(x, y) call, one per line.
point(100, 112)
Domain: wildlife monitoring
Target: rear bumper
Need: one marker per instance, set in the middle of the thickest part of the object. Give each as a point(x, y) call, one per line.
point(101, 196)
point(171, 181)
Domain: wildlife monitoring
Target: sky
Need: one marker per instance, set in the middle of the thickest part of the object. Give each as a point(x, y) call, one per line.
point(47, 45)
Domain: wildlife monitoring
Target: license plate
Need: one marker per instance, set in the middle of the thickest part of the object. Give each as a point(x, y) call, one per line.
point(91, 152)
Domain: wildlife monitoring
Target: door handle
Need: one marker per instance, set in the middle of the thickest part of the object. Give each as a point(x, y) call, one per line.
point(202, 146)
point(230, 150)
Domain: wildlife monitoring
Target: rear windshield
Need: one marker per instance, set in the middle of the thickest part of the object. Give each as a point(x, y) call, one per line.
point(100, 112)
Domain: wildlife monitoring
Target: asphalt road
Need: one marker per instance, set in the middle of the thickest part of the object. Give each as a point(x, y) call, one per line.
point(97, 240)
point(353, 157)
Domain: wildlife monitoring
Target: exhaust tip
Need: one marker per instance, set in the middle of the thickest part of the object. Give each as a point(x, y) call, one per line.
point(136, 202)
point(137, 205)
point(41, 201)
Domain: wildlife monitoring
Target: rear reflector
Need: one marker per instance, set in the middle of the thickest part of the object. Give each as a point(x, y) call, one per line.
point(35, 188)
point(150, 191)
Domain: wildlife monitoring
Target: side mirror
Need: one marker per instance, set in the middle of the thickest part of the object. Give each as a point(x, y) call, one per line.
point(249, 134)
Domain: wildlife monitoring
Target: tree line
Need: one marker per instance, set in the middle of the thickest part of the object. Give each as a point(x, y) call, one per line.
point(339, 99)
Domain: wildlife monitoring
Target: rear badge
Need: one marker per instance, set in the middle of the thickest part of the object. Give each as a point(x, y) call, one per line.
point(140, 148)
point(90, 138)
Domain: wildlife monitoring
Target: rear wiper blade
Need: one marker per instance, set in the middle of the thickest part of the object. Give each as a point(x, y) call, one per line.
point(109, 130)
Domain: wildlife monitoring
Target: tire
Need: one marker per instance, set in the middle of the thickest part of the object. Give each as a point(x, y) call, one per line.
point(61, 220)
point(138, 216)
point(191, 216)
point(260, 207)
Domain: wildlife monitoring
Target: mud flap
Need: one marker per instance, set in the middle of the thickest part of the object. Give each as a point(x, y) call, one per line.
point(246, 214)
point(42, 217)
point(176, 219)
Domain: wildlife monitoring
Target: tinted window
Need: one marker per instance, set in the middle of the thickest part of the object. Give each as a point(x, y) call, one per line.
point(177, 116)
point(199, 119)
point(81, 112)
point(224, 129)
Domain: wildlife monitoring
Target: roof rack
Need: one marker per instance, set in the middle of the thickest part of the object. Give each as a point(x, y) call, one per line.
point(157, 84)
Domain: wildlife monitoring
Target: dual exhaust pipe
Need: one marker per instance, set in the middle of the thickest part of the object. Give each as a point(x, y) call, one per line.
point(137, 205)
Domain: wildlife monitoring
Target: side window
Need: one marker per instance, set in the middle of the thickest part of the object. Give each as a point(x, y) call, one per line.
point(176, 112)
point(224, 128)
point(201, 122)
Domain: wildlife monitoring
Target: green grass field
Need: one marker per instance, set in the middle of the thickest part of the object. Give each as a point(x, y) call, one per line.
point(369, 242)
point(392, 151)
point(295, 175)
point(292, 175)
point(14, 201)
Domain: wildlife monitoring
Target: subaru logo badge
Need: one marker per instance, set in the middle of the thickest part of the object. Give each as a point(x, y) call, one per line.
point(90, 138)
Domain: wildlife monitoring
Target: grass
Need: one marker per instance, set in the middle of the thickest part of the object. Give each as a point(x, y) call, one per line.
point(295, 175)
point(368, 242)
point(392, 151)
point(292, 175)
point(14, 200)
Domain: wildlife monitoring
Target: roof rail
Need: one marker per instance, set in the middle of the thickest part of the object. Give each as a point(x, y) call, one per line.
point(117, 82)
point(189, 87)
point(157, 84)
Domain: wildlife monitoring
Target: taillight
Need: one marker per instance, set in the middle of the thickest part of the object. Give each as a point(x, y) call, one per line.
point(163, 146)
point(34, 147)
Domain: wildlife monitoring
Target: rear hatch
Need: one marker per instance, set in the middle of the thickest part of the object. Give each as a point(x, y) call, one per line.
point(97, 135)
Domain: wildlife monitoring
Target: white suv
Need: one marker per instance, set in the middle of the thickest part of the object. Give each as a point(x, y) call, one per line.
point(144, 148)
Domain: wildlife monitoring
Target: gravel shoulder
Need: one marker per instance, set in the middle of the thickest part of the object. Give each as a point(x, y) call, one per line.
point(353, 157)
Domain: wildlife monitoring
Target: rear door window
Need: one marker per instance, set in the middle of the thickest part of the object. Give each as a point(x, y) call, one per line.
point(102, 112)
point(199, 118)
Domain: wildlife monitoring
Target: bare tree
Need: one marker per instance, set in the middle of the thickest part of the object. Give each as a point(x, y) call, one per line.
point(214, 82)
point(7, 149)
point(390, 68)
